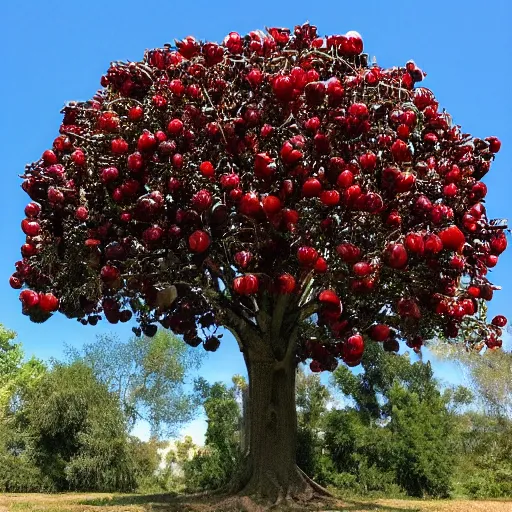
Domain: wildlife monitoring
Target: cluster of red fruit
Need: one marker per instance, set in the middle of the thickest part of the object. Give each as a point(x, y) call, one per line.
point(213, 177)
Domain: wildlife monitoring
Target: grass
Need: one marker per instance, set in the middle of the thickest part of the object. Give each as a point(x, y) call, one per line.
point(73, 502)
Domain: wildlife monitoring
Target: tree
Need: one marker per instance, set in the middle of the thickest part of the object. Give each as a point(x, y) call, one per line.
point(312, 399)
point(147, 375)
point(255, 185)
point(77, 432)
point(401, 424)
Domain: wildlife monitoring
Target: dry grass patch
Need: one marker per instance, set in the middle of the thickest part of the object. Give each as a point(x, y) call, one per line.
point(88, 502)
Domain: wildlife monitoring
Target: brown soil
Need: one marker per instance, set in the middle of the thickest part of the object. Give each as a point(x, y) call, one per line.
point(203, 503)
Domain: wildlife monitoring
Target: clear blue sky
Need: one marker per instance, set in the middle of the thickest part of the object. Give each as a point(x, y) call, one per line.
point(53, 51)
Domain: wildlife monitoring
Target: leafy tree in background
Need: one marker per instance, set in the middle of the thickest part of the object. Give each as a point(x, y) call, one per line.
point(77, 431)
point(312, 399)
point(254, 185)
point(217, 464)
point(147, 375)
point(401, 425)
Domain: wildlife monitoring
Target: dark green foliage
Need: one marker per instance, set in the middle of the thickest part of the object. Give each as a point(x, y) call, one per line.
point(78, 431)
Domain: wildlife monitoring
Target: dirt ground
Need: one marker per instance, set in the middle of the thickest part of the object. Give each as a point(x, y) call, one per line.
point(167, 503)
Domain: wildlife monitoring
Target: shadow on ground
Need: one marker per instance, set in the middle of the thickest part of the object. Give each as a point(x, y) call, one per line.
point(184, 503)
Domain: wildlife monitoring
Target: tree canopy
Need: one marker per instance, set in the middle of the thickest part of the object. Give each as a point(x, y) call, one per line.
point(148, 375)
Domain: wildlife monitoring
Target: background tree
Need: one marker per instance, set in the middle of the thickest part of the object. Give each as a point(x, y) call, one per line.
point(77, 431)
point(312, 400)
point(256, 184)
point(147, 374)
point(215, 466)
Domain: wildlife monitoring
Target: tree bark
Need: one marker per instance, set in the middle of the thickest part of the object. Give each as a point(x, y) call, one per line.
point(271, 472)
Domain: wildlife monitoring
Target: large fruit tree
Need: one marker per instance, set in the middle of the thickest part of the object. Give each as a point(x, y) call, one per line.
point(276, 185)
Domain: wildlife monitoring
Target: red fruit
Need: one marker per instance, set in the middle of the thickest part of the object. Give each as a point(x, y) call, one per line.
point(264, 166)
point(109, 273)
point(348, 253)
point(329, 298)
point(147, 141)
point(199, 241)
point(188, 47)
point(414, 243)
point(49, 157)
point(352, 194)
point(311, 188)
point(453, 238)
point(491, 261)
point(32, 210)
point(246, 285)
point(499, 321)
point(78, 157)
point(176, 87)
point(177, 161)
point(450, 190)
point(28, 250)
point(243, 258)
point(315, 93)
point(55, 195)
point(234, 43)
point(379, 332)
point(285, 284)
point(368, 161)
point(30, 227)
point(400, 151)
point(175, 126)
point(135, 162)
point(405, 181)
point(321, 266)
point(109, 174)
point(498, 243)
point(119, 146)
point(230, 181)
point(312, 124)
point(202, 200)
point(362, 269)
point(315, 366)
point(395, 255)
point(394, 219)
point(283, 87)
point(254, 77)
point(494, 144)
point(307, 256)
point(345, 179)
point(474, 291)
point(271, 205)
point(29, 298)
point(359, 110)
point(15, 282)
point(457, 262)
point(289, 155)
point(207, 169)
point(409, 308)
point(433, 244)
point(330, 197)
point(48, 302)
point(135, 113)
point(250, 204)
point(81, 213)
point(152, 234)
point(108, 121)
point(353, 348)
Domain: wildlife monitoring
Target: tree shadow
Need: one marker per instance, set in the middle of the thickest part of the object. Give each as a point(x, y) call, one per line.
point(182, 503)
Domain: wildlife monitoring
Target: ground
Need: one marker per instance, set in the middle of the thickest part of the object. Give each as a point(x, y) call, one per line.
point(165, 503)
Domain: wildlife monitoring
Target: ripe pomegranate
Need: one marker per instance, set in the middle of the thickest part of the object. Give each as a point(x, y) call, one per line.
point(48, 302)
point(379, 332)
point(395, 255)
point(246, 285)
point(307, 256)
point(285, 284)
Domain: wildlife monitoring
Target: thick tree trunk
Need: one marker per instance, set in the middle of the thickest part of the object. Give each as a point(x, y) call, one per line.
point(271, 471)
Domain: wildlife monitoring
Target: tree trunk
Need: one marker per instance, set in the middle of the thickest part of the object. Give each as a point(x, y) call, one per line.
point(271, 471)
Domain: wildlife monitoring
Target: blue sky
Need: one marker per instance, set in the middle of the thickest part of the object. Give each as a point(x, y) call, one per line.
point(54, 51)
